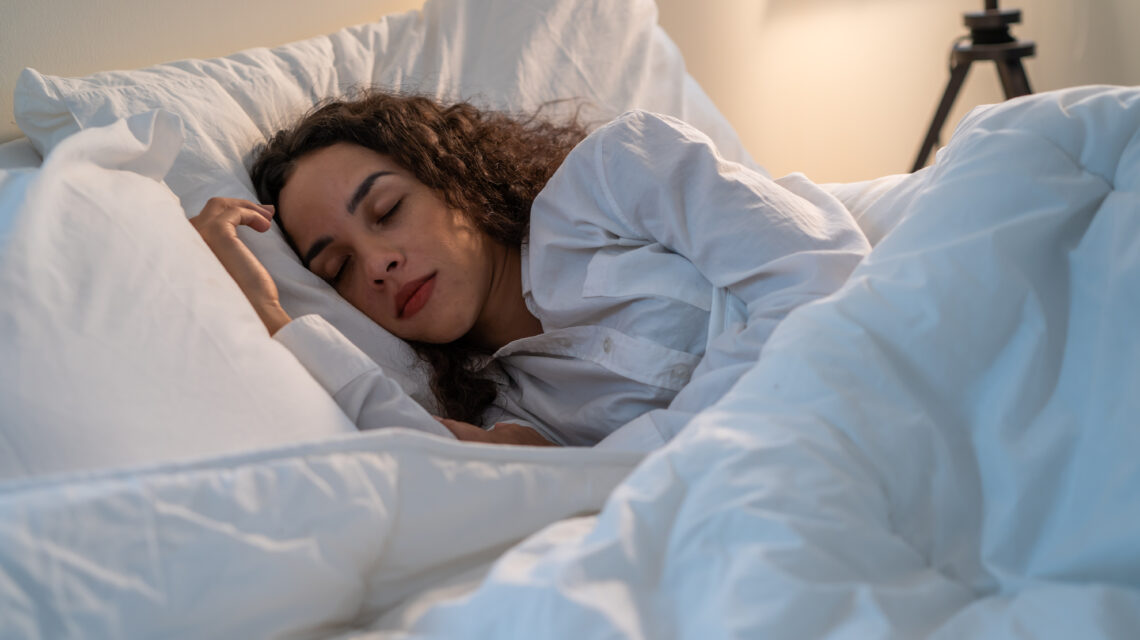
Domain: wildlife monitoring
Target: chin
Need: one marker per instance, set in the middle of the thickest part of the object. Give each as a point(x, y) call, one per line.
point(433, 336)
point(432, 329)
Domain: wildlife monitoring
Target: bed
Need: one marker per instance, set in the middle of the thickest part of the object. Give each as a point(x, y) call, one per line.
point(945, 448)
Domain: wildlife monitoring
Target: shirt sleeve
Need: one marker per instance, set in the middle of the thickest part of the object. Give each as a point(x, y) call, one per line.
point(773, 244)
point(761, 239)
point(359, 386)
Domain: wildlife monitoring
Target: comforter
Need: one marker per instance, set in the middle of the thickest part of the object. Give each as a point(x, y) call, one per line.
point(944, 448)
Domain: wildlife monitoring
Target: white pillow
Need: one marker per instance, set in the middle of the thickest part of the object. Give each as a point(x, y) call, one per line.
point(499, 53)
point(122, 339)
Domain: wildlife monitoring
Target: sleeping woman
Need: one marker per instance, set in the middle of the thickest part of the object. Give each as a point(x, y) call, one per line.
point(569, 288)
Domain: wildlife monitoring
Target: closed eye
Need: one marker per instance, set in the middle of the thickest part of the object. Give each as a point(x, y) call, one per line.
point(340, 272)
point(391, 212)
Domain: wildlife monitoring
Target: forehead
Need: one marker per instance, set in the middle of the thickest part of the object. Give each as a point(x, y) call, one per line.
point(322, 182)
point(339, 166)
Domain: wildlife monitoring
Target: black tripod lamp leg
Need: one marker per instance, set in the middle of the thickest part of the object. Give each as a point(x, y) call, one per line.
point(1014, 80)
point(957, 77)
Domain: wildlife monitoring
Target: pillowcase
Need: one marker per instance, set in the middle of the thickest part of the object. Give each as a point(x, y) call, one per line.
point(122, 339)
point(516, 54)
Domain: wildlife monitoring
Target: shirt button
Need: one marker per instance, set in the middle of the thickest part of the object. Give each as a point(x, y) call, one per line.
point(608, 345)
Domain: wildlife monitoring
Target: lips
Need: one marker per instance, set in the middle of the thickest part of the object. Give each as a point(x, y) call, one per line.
point(413, 296)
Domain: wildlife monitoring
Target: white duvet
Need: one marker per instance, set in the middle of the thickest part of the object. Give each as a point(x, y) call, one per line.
point(945, 448)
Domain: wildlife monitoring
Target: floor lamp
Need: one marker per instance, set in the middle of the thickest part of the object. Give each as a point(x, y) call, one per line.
point(989, 39)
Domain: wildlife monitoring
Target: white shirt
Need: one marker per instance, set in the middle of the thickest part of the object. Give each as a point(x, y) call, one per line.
point(369, 398)
point(657, 269)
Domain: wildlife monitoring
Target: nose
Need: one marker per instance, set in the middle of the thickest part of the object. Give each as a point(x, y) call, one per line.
point(380, 264)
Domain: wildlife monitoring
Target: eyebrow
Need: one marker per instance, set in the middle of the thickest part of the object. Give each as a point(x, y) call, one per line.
point(362, 190)
point(350, 206)
point(317, 247)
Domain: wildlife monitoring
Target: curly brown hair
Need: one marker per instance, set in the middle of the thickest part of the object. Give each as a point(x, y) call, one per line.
point(488, 164)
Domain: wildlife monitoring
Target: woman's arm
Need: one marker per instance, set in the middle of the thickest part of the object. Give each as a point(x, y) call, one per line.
point(501, 433)
point(761, 239)
point(217, 223)
point(767, 246)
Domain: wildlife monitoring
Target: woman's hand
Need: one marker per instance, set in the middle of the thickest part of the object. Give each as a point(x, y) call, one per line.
point(217, 223)
point(501, 433)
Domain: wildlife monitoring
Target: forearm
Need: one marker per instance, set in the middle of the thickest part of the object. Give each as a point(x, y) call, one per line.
point(359, 386)
point(273, 317)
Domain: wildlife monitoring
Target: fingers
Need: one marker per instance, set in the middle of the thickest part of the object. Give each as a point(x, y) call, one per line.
point(258, 216)
point(220, 204)
point(224, 215)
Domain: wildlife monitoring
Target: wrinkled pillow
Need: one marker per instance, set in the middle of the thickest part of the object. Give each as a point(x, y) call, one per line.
point(122, 339)
point(516, 54)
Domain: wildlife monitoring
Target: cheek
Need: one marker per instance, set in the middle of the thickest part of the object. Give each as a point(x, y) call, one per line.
point(450, 316)
point(363, 298)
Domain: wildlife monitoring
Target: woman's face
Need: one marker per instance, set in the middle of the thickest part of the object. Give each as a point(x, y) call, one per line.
point(387, 243)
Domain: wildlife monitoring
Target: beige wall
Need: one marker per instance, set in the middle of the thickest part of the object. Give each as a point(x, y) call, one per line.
point(840, 89)
point(845, 89)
